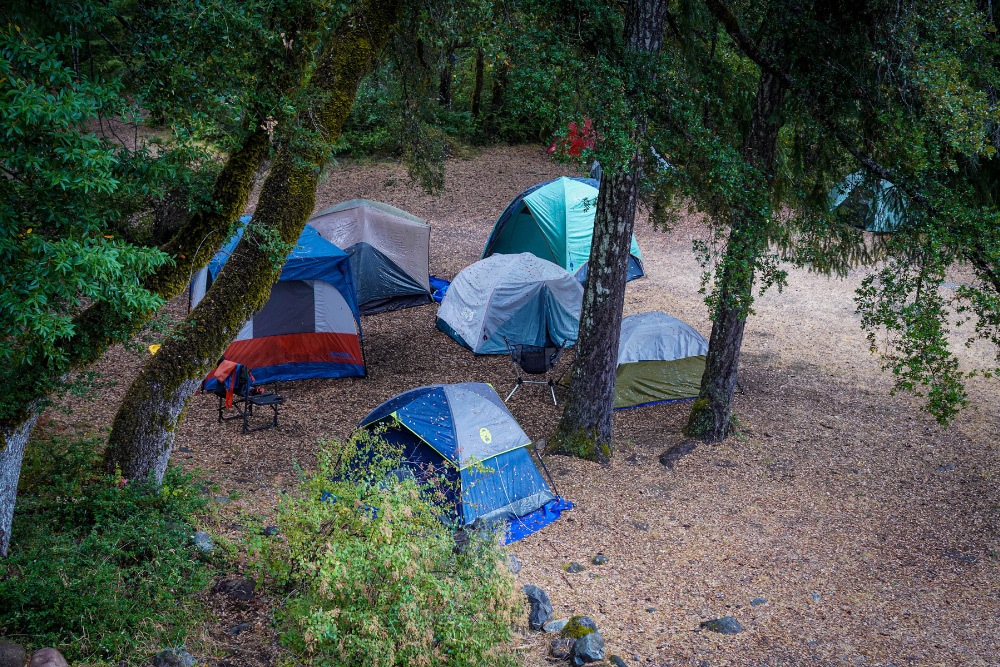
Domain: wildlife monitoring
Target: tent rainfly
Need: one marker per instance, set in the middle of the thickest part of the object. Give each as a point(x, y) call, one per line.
point(522, 298)
point(464, 433)
point(660, 360)
point(872, 205)
point(388, 248)
point(310, 325)
point(555, 221)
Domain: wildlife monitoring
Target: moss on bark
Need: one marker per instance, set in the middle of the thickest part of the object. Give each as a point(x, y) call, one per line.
point(142, 434)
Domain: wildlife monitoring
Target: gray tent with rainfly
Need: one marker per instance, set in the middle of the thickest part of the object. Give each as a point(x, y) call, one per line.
point(388, 248)
point(525, 299)
point(660, 360)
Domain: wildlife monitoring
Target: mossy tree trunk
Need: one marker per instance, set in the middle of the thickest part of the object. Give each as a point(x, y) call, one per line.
point(477, 88)
point(711, 414)
point(143, 431)
point(585, 427)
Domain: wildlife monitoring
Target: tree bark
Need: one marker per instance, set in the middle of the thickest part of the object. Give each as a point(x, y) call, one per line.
point(143, 431)
point(585, 427)
point(711, 414)
point(477, 89)
point(444, 82)
point(15, 438)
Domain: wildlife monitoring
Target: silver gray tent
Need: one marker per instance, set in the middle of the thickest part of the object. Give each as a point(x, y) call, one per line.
point(389, 251)
point(660, 359)
point(523, 298)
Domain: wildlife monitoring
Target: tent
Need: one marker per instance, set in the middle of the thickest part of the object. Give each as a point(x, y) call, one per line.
point(660, 360)
point(388, 248)
point(555, 221)
point(309, 327)
point(526, 299)
point(874, 206)
point(464, 433)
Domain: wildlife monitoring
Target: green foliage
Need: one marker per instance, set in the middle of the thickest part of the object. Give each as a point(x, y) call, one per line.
point(100, 568)
point(57, 250)
point(374, 574)
point(574, 629)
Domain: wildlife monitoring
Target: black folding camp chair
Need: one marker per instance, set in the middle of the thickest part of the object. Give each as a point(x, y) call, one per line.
point(534, 360)
point(238, 396)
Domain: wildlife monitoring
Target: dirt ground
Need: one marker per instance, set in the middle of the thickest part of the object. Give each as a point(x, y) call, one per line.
point(871, 531)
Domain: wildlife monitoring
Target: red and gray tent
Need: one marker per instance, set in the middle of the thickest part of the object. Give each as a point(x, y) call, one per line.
point(309, 327)
point(389, 251)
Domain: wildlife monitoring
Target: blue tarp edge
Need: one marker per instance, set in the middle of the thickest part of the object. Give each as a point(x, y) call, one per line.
point(534, 522)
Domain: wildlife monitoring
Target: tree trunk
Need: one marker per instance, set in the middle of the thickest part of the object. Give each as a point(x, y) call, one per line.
point(444, 85)
point(585, 427)
point(13, 442)
point(711, 414)
point(143, 431)
point(477, 89)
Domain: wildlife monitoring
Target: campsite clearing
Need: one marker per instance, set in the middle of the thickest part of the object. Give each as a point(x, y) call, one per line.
point(871, 532)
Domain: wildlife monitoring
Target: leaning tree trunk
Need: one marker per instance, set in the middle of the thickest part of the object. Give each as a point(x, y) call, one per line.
point(585, 427)
point(14, 440)
point(711, 414)
point(143, 431)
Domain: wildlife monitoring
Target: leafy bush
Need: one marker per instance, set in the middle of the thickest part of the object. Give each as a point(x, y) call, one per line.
point(377, 579)
point(99, 569)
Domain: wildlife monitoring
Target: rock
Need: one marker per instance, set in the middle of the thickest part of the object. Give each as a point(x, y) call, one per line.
point(588, 648)
point(513, 563)
point(815, 596)
point(617, 662)
point(677, 452)
point(237, 588)
point(203, 542)
point(239, 627)
point(12, 655)
point(562, 649)
point(599, 559)
point(185, 450)
point(541, 608)
point(270, 531)
point(756, 602)
point(222, 499)
point(573, 568)
point(578, 626)
point(727, 625)
point(555, 625)
point(174, 657)
point(47, 657)
point(650, 610)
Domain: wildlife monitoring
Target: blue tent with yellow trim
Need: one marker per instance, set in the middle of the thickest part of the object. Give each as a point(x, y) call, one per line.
point(465, 434)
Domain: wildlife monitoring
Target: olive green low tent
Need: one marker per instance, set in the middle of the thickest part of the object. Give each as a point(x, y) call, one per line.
point(660, 360)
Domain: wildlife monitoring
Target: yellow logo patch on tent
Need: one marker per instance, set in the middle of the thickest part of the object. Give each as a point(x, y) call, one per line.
point(485, 435)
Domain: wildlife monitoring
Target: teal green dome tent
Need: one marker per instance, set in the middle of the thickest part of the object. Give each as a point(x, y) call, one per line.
point(464, 433)
point(874, 205)
point(555, 221)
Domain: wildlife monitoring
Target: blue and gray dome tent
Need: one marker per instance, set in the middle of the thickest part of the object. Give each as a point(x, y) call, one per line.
point(465, 433)
point(555, 221)
point(520, 298)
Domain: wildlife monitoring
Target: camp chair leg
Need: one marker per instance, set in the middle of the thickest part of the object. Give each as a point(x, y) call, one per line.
point(552, 388)
point(517, 385)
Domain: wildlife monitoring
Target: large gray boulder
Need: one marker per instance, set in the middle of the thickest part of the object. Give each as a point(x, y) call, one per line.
point(12, 655)
point(174, 657)
point(47, 657)
point(588, 648)
point(541, 608)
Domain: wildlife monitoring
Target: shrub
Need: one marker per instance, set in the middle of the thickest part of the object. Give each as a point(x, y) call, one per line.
point(98, 569)
point(375, 574)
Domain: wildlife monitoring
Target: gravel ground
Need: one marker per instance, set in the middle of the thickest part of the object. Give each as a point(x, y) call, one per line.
point(871, 531)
